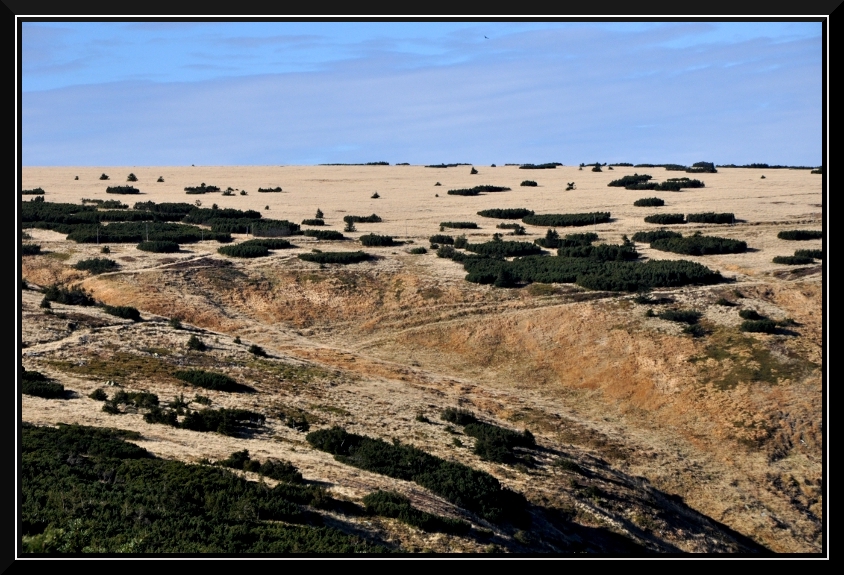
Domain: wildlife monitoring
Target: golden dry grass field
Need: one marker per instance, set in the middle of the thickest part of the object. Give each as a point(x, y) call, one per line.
point(684, 444)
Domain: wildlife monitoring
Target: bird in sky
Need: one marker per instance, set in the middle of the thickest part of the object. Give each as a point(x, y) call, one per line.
point(486, 37)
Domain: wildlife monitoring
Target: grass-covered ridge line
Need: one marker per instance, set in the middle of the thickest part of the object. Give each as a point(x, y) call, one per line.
point(474, 490)
point(118, 498)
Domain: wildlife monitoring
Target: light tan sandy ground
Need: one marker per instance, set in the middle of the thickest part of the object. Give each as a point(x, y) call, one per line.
point(592, 378)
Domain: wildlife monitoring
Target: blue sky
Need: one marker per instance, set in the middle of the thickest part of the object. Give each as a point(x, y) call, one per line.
point(269, 93)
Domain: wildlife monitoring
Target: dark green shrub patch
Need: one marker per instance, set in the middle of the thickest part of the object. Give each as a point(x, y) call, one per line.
point(335, 257)
point(274, 469)
point(136, 399)
point(123, 311)
point(166, 211)
point(494, 443)
point(244, 251)
point(257, 350)
point(196, 344)
point(477, 190)
point(793, 260)
point(529, 183)
point(506, 213)
point(702, 168)
point(263, 227)
point(725, 302)
point(649, 202)
point(800, 235)
point(562, 220)
point(373, 240)
point(697, 245)
point(71, 296)
point(815, 254)
point(325, 234)
point(648, 237)
point(133, 232)
point(441, 239)
point(211, 380)
point(38, 384)
point(122, 190)
point(159, 247)
point(269, 243)
point(391, 504)
point(603, 252)
point(373, 219)
point(500, 249)
point(750, 314)
point(459, 225)
point(458, 416)
point(313, 222)
point(269, 190)
point(759, 326)
point(682, 316)
point(469, 488)
point(172, 507)
point(681, 183)
point(98, 395)
point(418, 251)
point(625, 181)
point(666, 219)
point(30, 249)
point(201, 189)
point(208, 215)
point(549, 166)
point(33, 192)
point(96, 265)
point(224, 421)
point(590, 273)
point(711, 218)
point(112, 205)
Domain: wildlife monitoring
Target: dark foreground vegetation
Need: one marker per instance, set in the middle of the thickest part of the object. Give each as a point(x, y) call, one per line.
point(210, 380)
point(469, 488)
point(698, 245)
point(96, 265)
point(38, 384)
point(335, 257)
point(395, 505)
point(89, 490)
point(492, 442)
point(800, 235)
point(563, 220)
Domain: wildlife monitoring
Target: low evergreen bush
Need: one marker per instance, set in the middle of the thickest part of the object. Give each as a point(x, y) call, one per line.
point(653, 235)
point(793, 260)
point(564, 220)
point(501, 249)
point(711, 218)
point(313, 222)
point(372, 219)
point(418, 251)
point(459, 225)
point(159, 247)
point(697, 245)
point(391, 504)
point(374, 240)
point(441, 239)
point(325, 234)
point(196, 344)
point(68, 296)
point(335, 257)
point(750, 314)
point(800, 235)
point(96, 265)
point(665, 219)
point(633, 180)
point(815, 254)
point(269, 190)
point(122, 190)
point(529, 183)
point(201, 189)
point(30, 250)
point(37, 384)
point(33, 192)
point(759, 326)
point(649, 202)
point(506, 213)
point(682, 316)
point(244, 251)
point(211, 380)
point(123, 311)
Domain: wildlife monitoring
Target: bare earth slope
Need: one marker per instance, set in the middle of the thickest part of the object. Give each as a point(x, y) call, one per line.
point(681, 443)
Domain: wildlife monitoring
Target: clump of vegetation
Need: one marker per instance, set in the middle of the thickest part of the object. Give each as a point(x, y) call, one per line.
point(210, 380)
point(269, 190)
point(750, 314)
point(800, 235)
point(529, 183)
point(105, 250)
point(518, 230)
point(702, 168)
point(325, 234)
point(375, 196)
point(68, 296)
point(793, 260)
point(563, 220)
point(697, 245)
point(123, 311)
point(392, 504)
point(96, 265)
point(474, 490)
point(313, 222)
point(30, 249)
point(649, 202)
point(548, 166)
point(132, 178)
point(98, 395)
point(458, 416)
point(37, 384)
point(159, 247)
point(759, 326)
point(711, 218)
point(223, 421)
point(653, 235)
point(506, 213)
point(460, 242)
point(695, 330)
point(373, 240)
point(33, 192)
point(604, 252)
point(319, 215)
point(272, 468)
point(682, 316)
point(160, 179)
point(441, 239)
point(196, 344)
point(175, 323)
point(122, 190)
point(244, 251)
point(814, 254)
point(103, 177)
point(502, 249)
point(666, 219)
point(596, 168)
point(201, 189)
point(342, 258)
point(459, 225)
point(494, 443)
point(418, 251)
point(257, 351)
point(371, 219)
point(473, 171)
point(725, 302)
